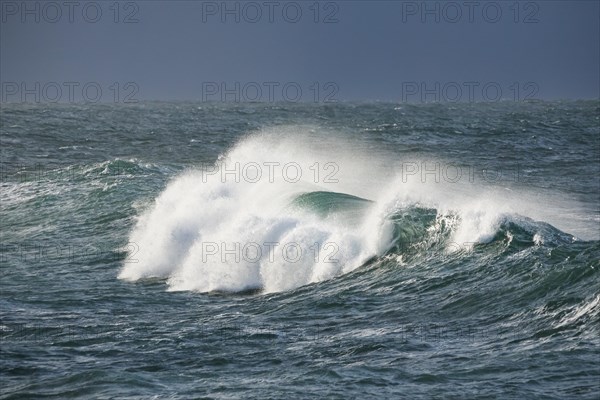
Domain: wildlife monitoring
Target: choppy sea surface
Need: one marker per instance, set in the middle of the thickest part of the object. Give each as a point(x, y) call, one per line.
point(268, 251)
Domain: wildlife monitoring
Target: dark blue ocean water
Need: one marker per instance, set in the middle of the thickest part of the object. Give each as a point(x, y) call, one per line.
point(265, 251)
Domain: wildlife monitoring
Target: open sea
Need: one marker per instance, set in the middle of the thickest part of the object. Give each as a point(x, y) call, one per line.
point(191, 250)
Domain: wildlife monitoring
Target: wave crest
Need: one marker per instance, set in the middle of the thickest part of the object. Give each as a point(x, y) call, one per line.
point(208, 231)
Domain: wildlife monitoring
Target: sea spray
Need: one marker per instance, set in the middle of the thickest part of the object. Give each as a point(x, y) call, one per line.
point(231, 226)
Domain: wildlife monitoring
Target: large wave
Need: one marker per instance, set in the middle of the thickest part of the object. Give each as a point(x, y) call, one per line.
point(290, 206)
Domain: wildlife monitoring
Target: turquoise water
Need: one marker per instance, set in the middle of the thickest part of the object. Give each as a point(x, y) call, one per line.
point(198, 250)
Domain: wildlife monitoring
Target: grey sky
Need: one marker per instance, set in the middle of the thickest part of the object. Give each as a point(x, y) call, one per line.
point(376, 50)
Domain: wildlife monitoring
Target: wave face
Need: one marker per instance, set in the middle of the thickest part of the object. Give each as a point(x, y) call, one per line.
point(292, 206)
